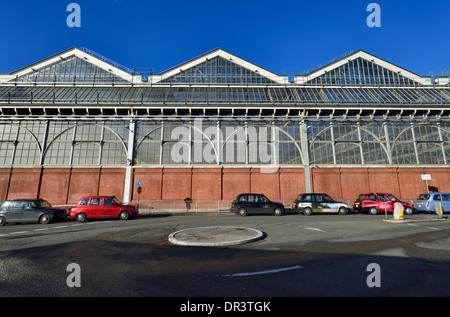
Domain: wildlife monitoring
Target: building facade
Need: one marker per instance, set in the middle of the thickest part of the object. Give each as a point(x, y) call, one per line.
point(79, 124)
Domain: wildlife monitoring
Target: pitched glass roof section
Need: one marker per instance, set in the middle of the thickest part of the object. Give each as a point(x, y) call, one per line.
point(72, 69)
point(218, 70)
point(362, 72)
point(254, 96)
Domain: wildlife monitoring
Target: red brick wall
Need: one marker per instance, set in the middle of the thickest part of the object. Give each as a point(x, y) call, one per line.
point(68, 185)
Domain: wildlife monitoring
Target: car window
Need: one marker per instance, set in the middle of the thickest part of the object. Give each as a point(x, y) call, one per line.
point(437, 197)
point(263, 199)
point(372, 197)
point(423, 197)
point(327, 199)
point(6, 205)
point(307, 197)
point(243, 198)
point(446, 197)
point(83, 202)
point(95, 202)
point(28, 205)
point(17, 204)
point(107, 201)
point(251, 198)
point(318, 198)
point(361, 197)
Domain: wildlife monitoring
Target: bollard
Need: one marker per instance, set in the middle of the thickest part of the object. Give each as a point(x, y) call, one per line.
point(398, 211)
point(438, 209)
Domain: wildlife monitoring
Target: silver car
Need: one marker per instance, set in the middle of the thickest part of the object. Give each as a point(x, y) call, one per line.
point(29, 210)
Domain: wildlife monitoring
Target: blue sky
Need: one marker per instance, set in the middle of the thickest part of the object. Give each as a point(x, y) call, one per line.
point(276, 35)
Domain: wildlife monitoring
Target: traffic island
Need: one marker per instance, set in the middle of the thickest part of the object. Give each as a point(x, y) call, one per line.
point(424, 219)
point(215, 236)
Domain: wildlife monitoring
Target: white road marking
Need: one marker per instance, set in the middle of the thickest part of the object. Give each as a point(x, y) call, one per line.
point(42, 229)
point(265, 272)
point(432, 228)
point(58, 227)
point(19, 232)
point(315, 229)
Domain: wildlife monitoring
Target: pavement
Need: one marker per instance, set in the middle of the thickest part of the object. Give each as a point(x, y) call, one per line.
point(215, 236)
point(428, 218)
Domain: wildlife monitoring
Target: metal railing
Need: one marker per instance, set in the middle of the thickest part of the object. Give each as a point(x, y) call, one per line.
point(201, 206)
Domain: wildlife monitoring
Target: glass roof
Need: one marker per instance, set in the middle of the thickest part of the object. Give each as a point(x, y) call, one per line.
point(70, 70)
point(218, 70)
point(362, 72)
point(236, 95)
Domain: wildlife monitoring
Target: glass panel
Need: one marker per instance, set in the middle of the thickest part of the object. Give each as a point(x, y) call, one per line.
point(218, 70)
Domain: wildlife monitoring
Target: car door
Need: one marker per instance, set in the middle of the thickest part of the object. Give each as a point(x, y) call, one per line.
point(307, 201)
point(95, 207)
point(329, 205)
point(30, 211)
point(264, 205)
point(12, 214)
point(446, 201)
point(252, 205)
point(318, 203)
point(384, 202)
point(109, 208)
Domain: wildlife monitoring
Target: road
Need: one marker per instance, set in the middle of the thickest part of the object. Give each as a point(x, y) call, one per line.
point(318, 255)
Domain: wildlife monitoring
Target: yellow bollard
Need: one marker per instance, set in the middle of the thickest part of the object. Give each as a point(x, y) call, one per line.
point(398, 211)
point(438, 209)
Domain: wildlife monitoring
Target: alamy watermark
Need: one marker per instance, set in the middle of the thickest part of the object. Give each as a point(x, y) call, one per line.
point(374, 278)
point(205, 144)
point(74, 278)
point(374, 18)
point(74, 18)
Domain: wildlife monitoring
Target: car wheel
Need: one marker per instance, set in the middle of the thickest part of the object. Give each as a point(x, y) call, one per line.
point(44, 219)
point(307, 211)
point(124, 215)
point(278, 211)
point(373, 210)
point(80, 217)
point(2, 221)
point(242, 212)
point(342, 211)
point(409, 211)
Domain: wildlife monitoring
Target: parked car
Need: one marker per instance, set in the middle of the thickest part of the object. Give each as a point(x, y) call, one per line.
point(102, 207)
point(30, 210)
point(318, 202)
point(255, 204)
point(374, 203)
point(426, 202)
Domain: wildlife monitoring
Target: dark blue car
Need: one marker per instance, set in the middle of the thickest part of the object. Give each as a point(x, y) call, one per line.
point(255, 204)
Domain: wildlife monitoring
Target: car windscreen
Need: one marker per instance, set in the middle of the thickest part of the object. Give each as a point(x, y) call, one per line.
point(392, 198)
point(42, 203)
point(117, 201)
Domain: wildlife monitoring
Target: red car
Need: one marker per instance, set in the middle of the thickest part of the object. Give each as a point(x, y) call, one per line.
point(102, 207)
point(377, 202)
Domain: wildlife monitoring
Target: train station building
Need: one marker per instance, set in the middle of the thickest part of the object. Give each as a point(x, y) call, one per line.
point(77, 123)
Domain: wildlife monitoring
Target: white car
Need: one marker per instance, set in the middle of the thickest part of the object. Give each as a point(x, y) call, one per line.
point(309, 203)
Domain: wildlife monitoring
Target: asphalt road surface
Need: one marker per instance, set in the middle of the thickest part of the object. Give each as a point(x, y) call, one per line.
point(299, 256)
